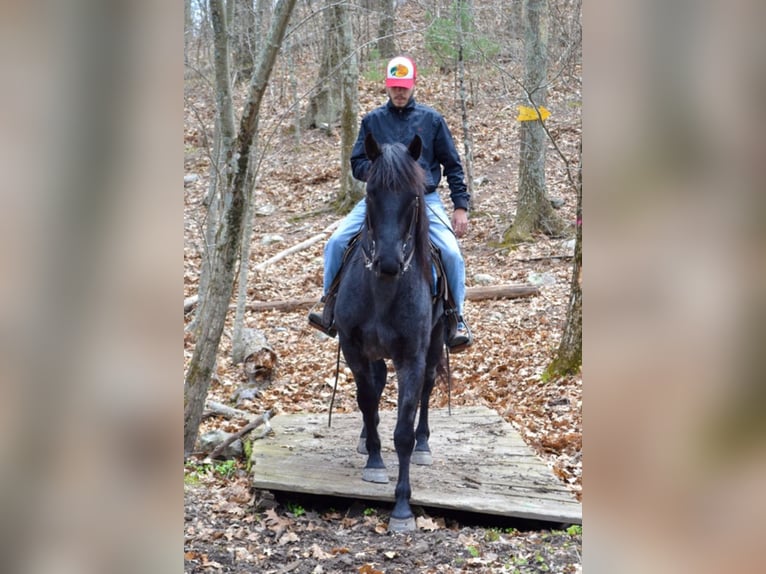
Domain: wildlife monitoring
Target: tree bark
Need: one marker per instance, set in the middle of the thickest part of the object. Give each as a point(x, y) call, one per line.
point(568, 358)
point(225, 132)
point(215, 305)
point(324, 104)
point(467, 140)
point(386, 41)
point(534, 212)
point(351, 190)
point(245, 35)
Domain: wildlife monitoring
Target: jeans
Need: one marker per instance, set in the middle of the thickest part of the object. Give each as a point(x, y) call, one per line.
point(441, 234)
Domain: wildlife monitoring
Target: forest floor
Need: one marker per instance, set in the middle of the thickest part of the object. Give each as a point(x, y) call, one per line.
point(231, 528)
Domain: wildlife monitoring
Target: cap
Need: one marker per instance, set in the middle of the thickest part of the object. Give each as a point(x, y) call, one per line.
point(400, 72)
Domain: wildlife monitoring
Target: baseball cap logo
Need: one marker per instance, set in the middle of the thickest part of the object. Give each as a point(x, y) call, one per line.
point(399, 71)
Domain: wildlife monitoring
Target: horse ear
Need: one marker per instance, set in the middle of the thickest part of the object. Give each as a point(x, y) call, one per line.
point(371, 147)
point(415, 147)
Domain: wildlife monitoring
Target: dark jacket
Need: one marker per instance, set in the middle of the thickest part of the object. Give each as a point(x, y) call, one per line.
point(390, 124)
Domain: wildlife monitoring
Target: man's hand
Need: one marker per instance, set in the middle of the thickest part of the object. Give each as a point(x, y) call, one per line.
point(460, 222)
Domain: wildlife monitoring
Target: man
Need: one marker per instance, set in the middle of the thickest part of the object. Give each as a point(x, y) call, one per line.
point(399, 120)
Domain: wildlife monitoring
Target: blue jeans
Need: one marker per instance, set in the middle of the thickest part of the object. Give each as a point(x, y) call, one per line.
point(441, 234)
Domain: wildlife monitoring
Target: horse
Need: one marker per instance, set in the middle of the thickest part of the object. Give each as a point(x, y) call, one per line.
point(385, 309)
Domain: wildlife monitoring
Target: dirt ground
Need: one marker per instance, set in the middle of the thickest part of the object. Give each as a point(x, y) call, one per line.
point(307, 536)
point(230, 528)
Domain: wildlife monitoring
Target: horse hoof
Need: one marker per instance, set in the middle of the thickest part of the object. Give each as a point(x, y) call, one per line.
point(422, 457)
point(361, 446)
point(378, 475)
point(401, 524)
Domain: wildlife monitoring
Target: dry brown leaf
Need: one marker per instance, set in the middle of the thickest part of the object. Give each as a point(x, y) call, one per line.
point(288, 537)
point(426, 523)
point(274, 521)
point(318, 553)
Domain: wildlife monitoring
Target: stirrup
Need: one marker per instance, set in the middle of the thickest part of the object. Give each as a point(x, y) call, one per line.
point(317, 321)
point(458, 342)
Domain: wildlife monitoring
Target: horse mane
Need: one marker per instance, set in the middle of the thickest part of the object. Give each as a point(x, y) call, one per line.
point(397, 172)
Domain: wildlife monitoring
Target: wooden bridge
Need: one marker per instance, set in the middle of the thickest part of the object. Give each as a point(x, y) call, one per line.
point(481, 464)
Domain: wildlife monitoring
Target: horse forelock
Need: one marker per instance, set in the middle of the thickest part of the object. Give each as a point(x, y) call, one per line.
point(396, 171)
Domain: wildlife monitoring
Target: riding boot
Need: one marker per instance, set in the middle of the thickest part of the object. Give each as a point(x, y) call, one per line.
point(459, 336)
point(326, 321)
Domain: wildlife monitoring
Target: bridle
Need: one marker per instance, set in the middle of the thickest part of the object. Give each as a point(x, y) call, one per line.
point(408, 247)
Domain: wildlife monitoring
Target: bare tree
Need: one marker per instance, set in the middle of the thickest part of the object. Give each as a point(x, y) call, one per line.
point(351, 190)
point(324, 104)
point(224, 258)
point(467, 138)
point(223, 140)
point(386, 41)
point(534, 212)
point(244, 35)
point(568, 358)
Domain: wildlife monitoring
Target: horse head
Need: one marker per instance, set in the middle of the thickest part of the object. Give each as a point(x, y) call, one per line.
point(397, 228)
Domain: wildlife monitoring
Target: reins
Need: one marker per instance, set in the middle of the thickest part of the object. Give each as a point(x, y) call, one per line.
point(334, 387)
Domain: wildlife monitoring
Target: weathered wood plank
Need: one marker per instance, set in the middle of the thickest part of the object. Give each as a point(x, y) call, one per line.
point(481, 464)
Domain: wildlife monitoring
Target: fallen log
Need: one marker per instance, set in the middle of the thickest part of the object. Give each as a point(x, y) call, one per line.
point(298, 247)
point(500, 292)
point(472, 293)
point(215, 408)
point(258, 421)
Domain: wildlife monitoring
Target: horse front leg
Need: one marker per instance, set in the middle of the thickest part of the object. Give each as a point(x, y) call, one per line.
point(410, 387)
point(379, 374)
point(367, 396)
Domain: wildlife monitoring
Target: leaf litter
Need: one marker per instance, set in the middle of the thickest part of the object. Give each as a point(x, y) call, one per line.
point(225, 530)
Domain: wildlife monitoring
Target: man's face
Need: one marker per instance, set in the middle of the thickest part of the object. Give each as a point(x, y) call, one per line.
point(400, 96)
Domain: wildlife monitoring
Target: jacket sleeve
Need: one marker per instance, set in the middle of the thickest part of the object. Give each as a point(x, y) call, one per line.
point(446, 154)
point(360, 165)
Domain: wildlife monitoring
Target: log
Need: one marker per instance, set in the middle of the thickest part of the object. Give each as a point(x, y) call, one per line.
point(298, 247)
point(215, 408)
point(482, 293)
point(500, 292)
point(256, 422)
point(190, 302)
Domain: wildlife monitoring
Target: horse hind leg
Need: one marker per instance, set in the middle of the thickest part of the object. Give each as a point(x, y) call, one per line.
point(422, 454)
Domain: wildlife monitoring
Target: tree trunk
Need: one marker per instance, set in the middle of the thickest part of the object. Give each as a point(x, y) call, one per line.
point(188, 29)
point(324, 105)
point(386, 41)
point(223, 140)
point(351, 190)
point(237, 344)
point(245, 35)
point(533, 209)
point(212, 313)
point(568, 357)
point(467, 141)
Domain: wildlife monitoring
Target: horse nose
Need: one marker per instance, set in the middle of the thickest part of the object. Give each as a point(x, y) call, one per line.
point(387, 266)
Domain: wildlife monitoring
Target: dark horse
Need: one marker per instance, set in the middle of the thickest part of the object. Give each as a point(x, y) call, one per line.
point(385, 310)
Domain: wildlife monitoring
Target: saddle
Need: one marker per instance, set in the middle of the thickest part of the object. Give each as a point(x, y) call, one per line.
point(439, 287)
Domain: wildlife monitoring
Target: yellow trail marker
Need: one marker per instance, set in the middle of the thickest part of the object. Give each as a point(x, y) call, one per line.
point(527, 114)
